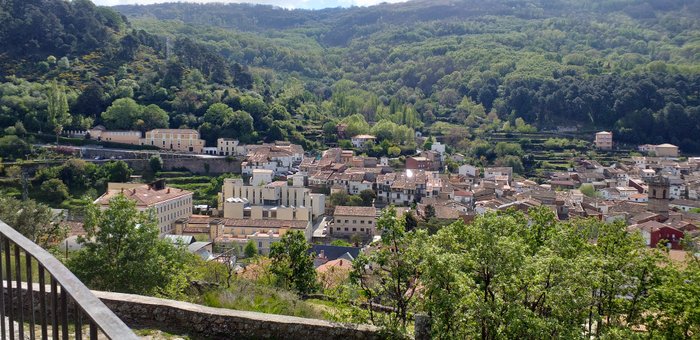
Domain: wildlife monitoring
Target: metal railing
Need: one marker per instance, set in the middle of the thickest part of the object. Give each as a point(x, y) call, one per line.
point(64, 309)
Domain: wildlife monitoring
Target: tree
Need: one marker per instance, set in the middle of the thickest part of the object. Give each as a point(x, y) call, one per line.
point(588, 190)
point(57, 109)
point(154, 117)
point(367, 197)
point(411, 221)
point(389, 274)
point(155, 163)
point(251, 250)
point(33, 220)
point(117, 171)
point(393, 151)
point(54, 191)
point(123, 253)
point(292, 265)
point(429, 212)
point(339, 198)
point(13, 147)
point(122, 114)
point(217, 114)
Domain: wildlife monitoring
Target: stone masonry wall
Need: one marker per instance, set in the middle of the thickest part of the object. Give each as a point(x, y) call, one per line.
point(218, 323)
point(206, 322)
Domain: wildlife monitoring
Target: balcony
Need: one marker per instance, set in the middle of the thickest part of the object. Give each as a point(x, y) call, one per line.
point(60, 306)
point(43, 299)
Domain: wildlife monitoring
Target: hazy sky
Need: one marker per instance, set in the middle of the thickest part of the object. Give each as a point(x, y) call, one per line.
point(315, 4)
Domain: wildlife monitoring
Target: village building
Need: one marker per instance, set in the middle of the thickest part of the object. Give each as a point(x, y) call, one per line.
point(666, 150)
point(604, 140)
point(349, 221)
point(229, 147)
point(183, 140)
point(360, 140)
point(279, 157)
point(167, 204)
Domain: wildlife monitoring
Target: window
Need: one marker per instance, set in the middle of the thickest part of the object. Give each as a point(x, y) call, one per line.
point(362, 221)
point(354, 221)
point(362, 229)
point(346, 229)
point(354, 229)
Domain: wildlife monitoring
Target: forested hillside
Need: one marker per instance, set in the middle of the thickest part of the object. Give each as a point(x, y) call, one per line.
point(452, 69)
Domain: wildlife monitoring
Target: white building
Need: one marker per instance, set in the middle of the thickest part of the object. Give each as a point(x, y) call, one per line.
point(275, 194)
point(261, 177)
point(278, 157)
point(468, 170)
point(360, 140)
point(229, 147)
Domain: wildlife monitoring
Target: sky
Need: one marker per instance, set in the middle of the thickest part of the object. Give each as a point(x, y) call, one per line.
point(307, 4)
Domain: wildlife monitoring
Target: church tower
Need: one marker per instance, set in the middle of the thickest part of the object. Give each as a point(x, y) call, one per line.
point(659, 190)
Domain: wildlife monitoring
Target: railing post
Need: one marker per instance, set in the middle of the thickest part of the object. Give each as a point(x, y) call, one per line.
point(83, 303)
point(8, 279)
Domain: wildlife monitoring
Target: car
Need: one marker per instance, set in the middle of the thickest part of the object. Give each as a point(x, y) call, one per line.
point(97, 158)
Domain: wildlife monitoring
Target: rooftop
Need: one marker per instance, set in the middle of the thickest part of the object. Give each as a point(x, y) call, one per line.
point(145, 195)
point(355, 211)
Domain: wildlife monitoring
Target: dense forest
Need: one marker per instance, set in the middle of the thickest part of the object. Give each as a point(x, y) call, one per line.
point(452, 69)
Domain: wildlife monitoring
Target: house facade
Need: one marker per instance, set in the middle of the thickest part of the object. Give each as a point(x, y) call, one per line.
point(183, 140)
point(168, 204)
point(349, 221)
point(604, 140)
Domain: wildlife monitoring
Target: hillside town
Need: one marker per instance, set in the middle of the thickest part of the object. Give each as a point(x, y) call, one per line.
point(282, 187)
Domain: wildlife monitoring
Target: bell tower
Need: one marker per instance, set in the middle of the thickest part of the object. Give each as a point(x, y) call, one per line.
point(659, 188)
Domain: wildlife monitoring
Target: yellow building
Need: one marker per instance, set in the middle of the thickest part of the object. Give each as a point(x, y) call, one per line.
point(604, 140)
point(124, 137)
point(168, 204)
point(183, 140)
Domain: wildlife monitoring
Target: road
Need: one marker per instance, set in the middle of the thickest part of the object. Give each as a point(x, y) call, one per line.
point(133, 151)
point(320, 228)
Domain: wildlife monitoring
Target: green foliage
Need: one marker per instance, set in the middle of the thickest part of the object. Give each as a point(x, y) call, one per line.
point(54, 191)
point(155, 163)
point(341, 243)
point(356, 125)
point(563, 287)
point(250, 250)
point(252, 296)
point(122, 114)
point(388, 274)
point(57, 109)
point(367, 197)
point(33, 220)
point(588, 190)
point(123, 253)
point(13, 147)
point(292, 265)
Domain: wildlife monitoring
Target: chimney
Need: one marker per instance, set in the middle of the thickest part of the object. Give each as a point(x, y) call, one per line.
point(341, 262)
point(168, 190)
point(122, 190)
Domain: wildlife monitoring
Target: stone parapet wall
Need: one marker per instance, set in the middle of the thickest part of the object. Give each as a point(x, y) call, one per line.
point(218, 323)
